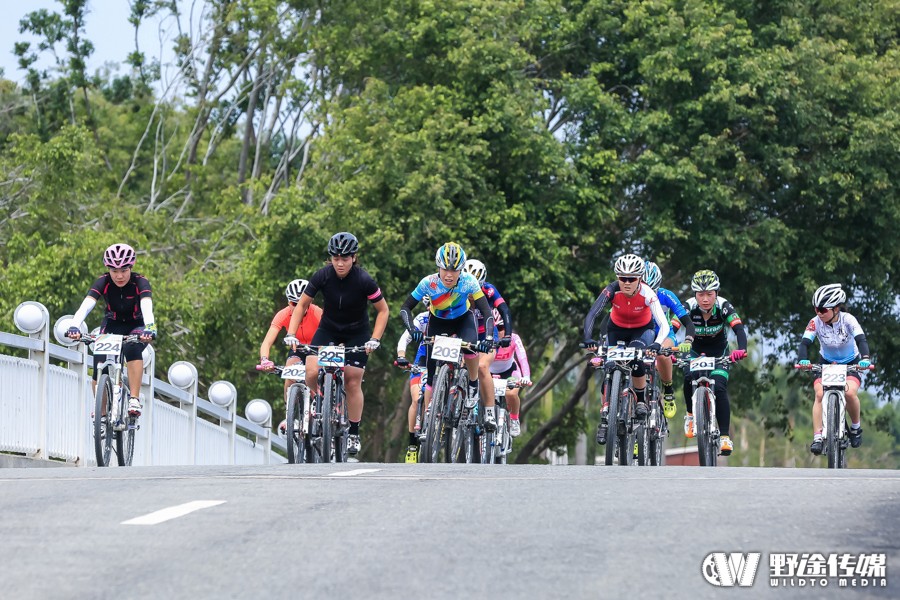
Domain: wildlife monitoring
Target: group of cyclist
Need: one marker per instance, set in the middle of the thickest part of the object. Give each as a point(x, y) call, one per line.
point(458, 301)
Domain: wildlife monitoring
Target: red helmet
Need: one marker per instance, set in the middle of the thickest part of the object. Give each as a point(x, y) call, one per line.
point(119, 256)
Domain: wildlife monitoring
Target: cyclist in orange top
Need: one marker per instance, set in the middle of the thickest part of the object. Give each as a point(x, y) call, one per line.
point(281, 321)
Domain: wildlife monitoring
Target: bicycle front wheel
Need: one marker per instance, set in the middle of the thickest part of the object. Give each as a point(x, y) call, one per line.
point(327, 417)
point(612, 395)
point(833, 447)
point(437, 420)
point(642, 436)
point(705, 444)
point(294, 431)
point(103, 431)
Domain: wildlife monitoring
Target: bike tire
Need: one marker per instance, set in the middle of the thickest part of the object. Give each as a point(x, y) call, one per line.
point(339, 424)
point(295, 441)
point(436, 424)
point(626, 438)
point(705, 445)
point(314, 443)
point(103, 440)
point(327, 417)
point(833, 447)
point(612, 395)
point(503, 439)
point(642, 435)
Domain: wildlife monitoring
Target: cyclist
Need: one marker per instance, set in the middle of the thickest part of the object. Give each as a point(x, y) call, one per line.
point(672, 307)
point(281, 321)
point(511, 361)
point(634, 309)
point(477, 269)
point(415, 379)
point(129, 310)
point(452, 291)
point(841, 341)
point(710, 313)
point(346, 289)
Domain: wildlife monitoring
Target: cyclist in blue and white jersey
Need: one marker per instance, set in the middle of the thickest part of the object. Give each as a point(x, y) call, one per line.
point(841, 341)
point(452, 292)
point(415, 379)
point(671, 306)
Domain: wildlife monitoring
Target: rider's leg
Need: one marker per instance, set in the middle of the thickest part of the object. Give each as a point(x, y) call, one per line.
point(817, 407)
point(723, 406)
point(852, 397)
point(484, 377)
point(353, 386)
point(136, 371)
point(312, 374)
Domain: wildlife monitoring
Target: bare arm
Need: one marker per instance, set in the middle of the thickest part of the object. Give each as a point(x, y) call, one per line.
point(267, 342)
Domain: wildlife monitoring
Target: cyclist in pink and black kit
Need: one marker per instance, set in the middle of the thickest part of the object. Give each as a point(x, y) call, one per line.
point(511, 361)
point(129, 310)
point(635, 308)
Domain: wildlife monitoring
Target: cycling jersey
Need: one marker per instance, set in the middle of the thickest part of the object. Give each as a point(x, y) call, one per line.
point(629, 312)
point(676, 313)
point(511, 356)
point(123, 304)
point(496, 301)
point(308, 325)
point(448, 303)
point(837, 341)
point(345, 300)
point(710, 335)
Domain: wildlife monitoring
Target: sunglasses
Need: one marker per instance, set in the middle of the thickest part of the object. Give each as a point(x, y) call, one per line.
point(822, 309)
point(628, 279)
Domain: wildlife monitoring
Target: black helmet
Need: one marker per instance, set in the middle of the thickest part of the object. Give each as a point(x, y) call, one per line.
point(343, 244)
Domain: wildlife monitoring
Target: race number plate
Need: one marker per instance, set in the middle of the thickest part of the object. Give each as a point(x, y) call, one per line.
point(109, 344)
point(295, 371)
point(446, 348)
point(704, 363)
point(618, 353)
point(500, 387)
point(331, 356)
point(834, 374)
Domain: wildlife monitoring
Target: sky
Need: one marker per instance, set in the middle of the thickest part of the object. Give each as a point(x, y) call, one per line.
point(107, 28)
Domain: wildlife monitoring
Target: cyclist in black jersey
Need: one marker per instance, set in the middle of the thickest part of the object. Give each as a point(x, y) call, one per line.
point(129, 309)
point(347, 291)
point(710, 313)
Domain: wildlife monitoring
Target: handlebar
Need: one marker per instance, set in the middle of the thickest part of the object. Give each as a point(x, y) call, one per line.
point(816, 368)
point(464, 345)
point(309, 348)
point(89, 338)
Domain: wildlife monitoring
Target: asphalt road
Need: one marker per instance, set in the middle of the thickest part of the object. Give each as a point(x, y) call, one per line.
point(431, 531)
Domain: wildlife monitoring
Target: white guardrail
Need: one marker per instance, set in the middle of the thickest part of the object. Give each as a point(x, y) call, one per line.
point(46, 401)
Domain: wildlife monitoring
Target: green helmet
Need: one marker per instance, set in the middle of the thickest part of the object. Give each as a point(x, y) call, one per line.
point(705, 281)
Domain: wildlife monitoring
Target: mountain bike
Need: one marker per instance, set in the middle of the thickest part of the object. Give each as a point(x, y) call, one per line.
point(703, 401)
point(300, 414)
point(448, 394)
point(834, 410)
point(111, 418)
point(497, 452)
point(620, 438)
point(651, 431)
point(329, 425)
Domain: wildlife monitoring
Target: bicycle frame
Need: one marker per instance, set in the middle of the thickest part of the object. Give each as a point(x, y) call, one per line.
point(703, 403)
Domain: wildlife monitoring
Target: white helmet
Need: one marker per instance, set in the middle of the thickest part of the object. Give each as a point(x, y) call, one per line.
point(295, 289)
point(629, 264)
point(829, 296)
point(476, 269)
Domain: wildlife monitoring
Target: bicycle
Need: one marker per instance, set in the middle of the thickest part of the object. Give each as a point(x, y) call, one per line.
point(329, 425)
point(299, 412)
point(420, 427)
point(703, 401)
point(834, 410)
point(497, 452)
point(620, 437)
point(652, 430)
point(111, 418)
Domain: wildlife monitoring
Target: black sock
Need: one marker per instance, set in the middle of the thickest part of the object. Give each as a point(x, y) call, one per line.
point(413, 439)
point(354, 427)
point(640, 394)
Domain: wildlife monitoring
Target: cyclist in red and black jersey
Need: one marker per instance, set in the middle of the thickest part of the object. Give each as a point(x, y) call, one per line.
point(635, 308)
point(347, 291)
point(129, 310)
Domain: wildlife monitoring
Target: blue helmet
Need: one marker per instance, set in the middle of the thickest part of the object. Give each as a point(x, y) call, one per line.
point(652, 275)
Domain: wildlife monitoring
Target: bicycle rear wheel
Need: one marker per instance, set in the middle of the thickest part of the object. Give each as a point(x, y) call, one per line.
point(504, 442)
point(833, 447)
point(295, 442)
point(705, 444)
point(103, 431)
point(642, 435)
point(612, 437)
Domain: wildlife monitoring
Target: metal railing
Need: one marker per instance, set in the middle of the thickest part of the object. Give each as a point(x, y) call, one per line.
point(46, 401)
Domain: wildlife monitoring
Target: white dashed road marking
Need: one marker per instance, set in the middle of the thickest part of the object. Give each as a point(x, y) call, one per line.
point(352, 473)
point(173, 512)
